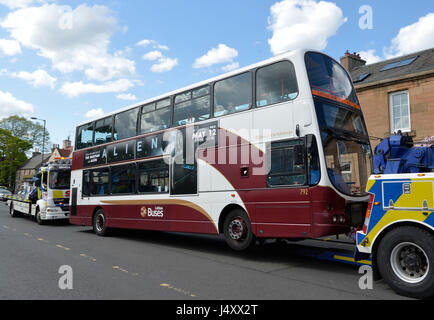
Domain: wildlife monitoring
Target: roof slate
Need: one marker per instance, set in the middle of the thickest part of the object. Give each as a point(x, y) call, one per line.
point(424, 62)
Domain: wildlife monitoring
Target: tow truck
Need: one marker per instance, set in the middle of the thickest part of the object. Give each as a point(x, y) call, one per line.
point(397, 237)
point(48, 198)
point(398, 232)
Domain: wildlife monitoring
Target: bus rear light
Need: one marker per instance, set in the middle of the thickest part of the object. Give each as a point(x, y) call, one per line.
point(368, 213)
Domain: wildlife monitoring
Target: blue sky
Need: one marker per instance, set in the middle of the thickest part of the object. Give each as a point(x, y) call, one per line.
point(67, 61)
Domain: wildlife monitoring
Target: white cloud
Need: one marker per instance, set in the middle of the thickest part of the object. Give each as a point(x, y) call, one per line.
point(75, 89)
point(415, 37)
point(10, 47)
point(303, 24)
point(39, 78)
point(9, 105)
point(370, 57)
point(412, 38)
point(94, 113)
point(231, 66)
point(145, 43)
point(164, 64)
point(127, 96)
point(73, 39)
point(15, 4)
point(221, 54)
point(153, 55)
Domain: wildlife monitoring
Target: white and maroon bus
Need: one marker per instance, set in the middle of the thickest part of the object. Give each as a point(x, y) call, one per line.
point(278, 149)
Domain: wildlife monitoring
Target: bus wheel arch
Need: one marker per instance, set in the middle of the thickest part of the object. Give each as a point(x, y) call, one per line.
point(226, 210)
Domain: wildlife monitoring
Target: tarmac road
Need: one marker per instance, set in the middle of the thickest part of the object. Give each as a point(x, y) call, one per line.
point(164, 266)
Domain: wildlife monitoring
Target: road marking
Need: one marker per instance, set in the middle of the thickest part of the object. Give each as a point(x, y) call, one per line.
point(62, 247)
point(184, 292)
point(83, 255)
point(28, 234)
point(6, 227)
point(134, 274)
point(43, 240)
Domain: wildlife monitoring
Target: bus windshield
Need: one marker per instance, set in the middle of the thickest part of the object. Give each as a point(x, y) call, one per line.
point(327, 77)
point(60, 180)
point(346, 147)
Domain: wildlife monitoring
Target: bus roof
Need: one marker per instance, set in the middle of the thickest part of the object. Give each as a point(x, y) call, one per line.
point(287, 55)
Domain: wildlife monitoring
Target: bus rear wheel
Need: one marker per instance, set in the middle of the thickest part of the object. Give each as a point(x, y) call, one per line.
point(100, 223)
point(237, 230)
point(405, 259)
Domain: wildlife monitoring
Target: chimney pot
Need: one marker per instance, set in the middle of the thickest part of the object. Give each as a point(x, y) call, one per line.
point(352, 61)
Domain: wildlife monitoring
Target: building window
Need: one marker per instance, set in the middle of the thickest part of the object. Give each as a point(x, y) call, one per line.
point(400, 112)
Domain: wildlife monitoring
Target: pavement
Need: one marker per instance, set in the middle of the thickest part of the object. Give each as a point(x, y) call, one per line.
point(151, 265)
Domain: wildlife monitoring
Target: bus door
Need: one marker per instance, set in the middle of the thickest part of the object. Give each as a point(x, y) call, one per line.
point(284, 209)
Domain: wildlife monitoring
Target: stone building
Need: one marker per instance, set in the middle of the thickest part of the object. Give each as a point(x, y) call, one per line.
point(395, 94)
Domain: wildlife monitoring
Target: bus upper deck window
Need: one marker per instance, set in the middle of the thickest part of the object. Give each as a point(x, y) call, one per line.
point(125, 125)
point(84, 136)
point(233, 94)
point(276, 83)
point(103, 131)
point(155, 116)
point(192, 106)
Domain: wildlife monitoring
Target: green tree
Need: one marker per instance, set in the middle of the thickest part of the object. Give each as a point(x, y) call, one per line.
point(12, 155)
point(27, 130)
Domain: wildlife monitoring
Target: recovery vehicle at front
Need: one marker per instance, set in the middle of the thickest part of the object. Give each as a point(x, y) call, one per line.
point(399, 225)
point(48, 199)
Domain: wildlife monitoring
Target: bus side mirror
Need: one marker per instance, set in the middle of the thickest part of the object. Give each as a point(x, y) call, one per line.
point(299, 155)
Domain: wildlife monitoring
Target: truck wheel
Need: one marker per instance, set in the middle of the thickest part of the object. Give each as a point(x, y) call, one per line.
point(237, 230)
point(38, 217)
point(100, 223)
point(12, 211)
point(406, 261)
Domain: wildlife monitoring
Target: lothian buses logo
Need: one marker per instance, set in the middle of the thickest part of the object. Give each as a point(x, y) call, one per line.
point(143, 212)
point(157, 212)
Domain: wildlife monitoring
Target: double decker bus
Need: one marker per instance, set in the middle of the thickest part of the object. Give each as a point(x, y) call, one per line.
point(278, 149)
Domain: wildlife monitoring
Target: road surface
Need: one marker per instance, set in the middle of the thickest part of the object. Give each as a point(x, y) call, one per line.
point(165, 266)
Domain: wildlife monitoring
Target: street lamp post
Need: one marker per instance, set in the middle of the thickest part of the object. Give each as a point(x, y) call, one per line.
point(43, 139)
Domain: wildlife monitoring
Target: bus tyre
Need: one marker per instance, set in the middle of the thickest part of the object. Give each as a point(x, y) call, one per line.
point(99, 223)
point(237, 230)
point(405, 260)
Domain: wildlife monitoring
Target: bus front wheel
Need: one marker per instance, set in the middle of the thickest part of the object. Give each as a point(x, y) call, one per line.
point(405, 260)
point(100, 223)
point(237, 230)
